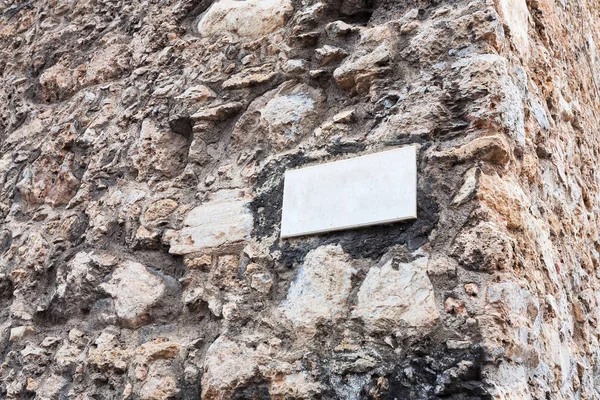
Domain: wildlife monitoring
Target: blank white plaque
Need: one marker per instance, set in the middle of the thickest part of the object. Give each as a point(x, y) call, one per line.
point(368, 190)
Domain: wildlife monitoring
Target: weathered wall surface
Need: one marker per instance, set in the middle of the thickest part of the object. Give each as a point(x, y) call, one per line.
point(143, 146)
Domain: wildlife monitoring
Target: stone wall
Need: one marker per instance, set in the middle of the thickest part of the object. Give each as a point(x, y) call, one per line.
point(143, 147)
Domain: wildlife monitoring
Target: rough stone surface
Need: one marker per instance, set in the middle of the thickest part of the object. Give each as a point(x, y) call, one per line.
point(143, 146)
point(218, 223)
point(253, 18)
point(320, 292)
point(397, 295)
point(228, 365)
point(135, 291)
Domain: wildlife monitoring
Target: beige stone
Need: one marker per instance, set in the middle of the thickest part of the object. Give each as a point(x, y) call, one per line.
point(397, 297)
point(472, 289)
point(159, 384)
point(160, 209)
point(67, 355)
point(330, 54)
point(345, 117)
point(454, 306)
point(218, 113)
point(212, 225)
point(135, 290)
point(157, 349)
point(250, 18)
point(50, 178)
point(285, 115)
point(107, 353)
point(261, 282)
point(57, 82)
point(359, 71)
point(516, 15)
point(249, 77)
point(50, 387)
point(107, 64)
point(290, 109)
point(197, 93)
point(320, 292)
point(20, 332)
point(299, 385)
point(158, 150)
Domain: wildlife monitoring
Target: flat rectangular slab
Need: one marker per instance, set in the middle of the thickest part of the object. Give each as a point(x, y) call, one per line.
point(368, 190)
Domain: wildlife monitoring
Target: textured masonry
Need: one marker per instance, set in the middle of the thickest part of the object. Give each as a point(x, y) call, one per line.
point(143, 149)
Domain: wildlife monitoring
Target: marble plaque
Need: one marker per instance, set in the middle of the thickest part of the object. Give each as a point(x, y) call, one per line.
point(373, 189)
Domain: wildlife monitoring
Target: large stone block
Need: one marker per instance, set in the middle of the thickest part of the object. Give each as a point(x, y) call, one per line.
point(135, 291)
point(397, 296)
point(321, 289)
point(251, 18)
point(281, 117)
point(212, 225)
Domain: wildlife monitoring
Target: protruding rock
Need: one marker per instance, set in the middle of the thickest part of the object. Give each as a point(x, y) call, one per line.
point(107, 353)
point(321, 289)
point(337, 29)
point(250, 77)
point(67, 355)
point(289, 109)
point(76, 281)
point(494, 149)
point(330, 54)
point(106, 64)
point(282, 116)
point(251, 18)
point(228, 365)
point(472, 289)
point(295, 66)
point(57, 83)
point(357, 72)
point(52, 386)
point(50, 178)
point(159, 384)
point(159, 150)
point(20, 332)
point(160, 209)
point(261, 283)
point(157, 349)
point(454, 306)
point(345, 117)
point(515, 14)
point(299, 385)
point(469, 186)
point(197, 93)
point(484, 247)
point(147, 238)
point(135, 291)
point(397, 296)
point(218, 113)
point(226, 222)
